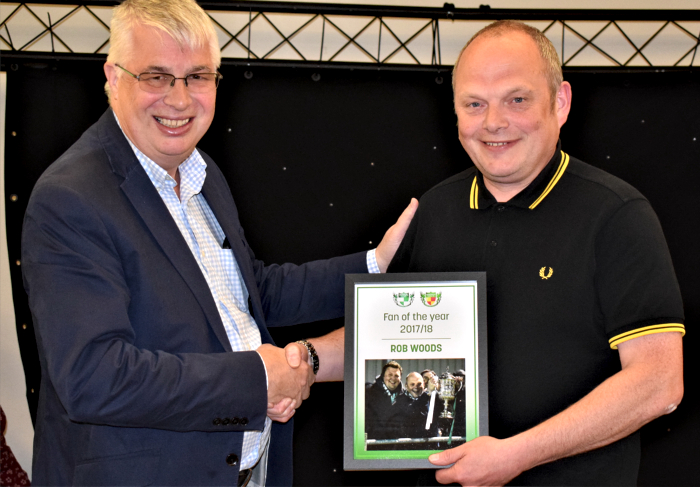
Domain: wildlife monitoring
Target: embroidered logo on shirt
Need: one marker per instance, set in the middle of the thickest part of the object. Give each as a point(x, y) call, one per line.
point(544, 274)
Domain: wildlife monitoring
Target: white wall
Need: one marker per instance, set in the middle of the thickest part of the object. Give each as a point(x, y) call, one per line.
point(13, 397)
point(84, 33)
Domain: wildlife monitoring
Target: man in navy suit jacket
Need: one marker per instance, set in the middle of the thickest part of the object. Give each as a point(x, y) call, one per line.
point(150, 309)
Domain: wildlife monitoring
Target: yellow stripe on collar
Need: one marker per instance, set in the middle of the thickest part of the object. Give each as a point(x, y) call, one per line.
point(474, 196)
point(555, 179)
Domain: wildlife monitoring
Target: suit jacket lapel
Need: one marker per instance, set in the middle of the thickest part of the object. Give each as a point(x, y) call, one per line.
point(147, 202)
point(221, 203)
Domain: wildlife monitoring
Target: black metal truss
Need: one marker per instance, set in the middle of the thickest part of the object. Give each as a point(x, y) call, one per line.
point(375, 16)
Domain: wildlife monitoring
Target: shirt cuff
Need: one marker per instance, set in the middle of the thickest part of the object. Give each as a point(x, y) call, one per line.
point(372, 266)
point(267, 379)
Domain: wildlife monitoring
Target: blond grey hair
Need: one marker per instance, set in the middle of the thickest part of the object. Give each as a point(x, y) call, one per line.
point(183, 20)
point(552, 65)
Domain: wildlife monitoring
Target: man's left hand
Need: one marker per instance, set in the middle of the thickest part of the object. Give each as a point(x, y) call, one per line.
point(482, 461)
point(393, 237)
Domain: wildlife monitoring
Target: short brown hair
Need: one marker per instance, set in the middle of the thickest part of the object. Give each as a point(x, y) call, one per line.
point(552, 65)
point(391, 365)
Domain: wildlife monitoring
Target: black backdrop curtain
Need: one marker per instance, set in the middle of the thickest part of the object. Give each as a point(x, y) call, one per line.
point(322, 161)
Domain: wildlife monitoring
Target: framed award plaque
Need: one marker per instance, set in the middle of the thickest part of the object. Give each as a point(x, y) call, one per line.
point(415, 367)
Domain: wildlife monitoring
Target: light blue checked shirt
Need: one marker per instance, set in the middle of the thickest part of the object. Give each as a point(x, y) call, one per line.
point(204, 236)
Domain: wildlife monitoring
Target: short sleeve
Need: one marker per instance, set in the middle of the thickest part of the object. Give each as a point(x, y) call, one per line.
point(637, 287)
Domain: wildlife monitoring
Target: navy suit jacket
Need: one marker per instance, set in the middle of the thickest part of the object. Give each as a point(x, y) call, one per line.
point(136, 365)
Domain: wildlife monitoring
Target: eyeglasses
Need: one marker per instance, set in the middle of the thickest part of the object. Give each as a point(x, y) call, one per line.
point(162, 82)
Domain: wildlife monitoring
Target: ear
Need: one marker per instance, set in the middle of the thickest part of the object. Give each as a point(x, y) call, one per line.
point(563, 102)
point(112, 76)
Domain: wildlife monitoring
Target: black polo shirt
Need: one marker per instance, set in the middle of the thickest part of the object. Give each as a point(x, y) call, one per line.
point(576, 263)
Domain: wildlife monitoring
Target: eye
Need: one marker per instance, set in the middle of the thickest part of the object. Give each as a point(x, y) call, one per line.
point(518, 99)
point(474, 104)
point(201, 77)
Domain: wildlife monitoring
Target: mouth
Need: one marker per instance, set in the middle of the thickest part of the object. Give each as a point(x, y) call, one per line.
point(496, 144)
point(172, 124)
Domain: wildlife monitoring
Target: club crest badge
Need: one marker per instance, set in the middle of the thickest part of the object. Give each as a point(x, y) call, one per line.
point(430, 299)
point(403, 299)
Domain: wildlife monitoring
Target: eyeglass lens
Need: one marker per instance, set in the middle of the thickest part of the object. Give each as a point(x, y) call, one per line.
point(162, 82)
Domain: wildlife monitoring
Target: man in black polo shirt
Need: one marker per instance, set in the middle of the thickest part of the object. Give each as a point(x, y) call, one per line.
point(585, 315)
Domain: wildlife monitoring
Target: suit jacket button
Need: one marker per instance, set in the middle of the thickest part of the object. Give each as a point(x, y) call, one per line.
point(225, 421)
point(244, 421)
point(232, 459)
point(234, 420)
point(216, 422)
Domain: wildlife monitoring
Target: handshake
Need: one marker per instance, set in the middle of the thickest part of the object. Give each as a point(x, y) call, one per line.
point(289, 375)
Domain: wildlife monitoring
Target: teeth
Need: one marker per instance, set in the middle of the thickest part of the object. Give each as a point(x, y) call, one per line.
point(496, 144)
point(173, 124)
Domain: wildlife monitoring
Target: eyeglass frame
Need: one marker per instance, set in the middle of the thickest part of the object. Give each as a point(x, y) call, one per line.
point(217, 77)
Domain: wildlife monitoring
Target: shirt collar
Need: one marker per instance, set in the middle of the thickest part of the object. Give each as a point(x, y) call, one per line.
point(480, 198)
point(192, 171)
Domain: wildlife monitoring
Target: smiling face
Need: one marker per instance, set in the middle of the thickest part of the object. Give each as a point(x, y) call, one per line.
point(166, 127)
point(508, 122)
point(414, 384)
point(392, 378)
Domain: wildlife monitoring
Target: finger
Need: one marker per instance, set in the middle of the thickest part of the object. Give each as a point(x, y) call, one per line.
point(294, 355)
point(305, 392)
point(311, 377)
point(280, 414)
point(285, 417)
point(280, 407)
point(282, 418)
point(407, 214)
point(446, 457)
point(445, 476)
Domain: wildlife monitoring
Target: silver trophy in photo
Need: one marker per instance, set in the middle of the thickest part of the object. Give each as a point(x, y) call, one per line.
point(449, 387)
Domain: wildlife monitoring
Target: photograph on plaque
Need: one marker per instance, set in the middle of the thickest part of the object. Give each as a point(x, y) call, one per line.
point(415, 367)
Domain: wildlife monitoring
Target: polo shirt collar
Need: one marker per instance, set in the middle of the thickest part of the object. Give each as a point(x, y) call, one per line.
point(480, 198)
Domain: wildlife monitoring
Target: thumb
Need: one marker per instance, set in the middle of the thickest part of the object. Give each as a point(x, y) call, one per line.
point(407, 214)
point(443, 458)
point(292, 353)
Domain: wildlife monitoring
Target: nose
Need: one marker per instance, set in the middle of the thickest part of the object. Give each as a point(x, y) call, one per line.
point(179, 96)
point(495, 118)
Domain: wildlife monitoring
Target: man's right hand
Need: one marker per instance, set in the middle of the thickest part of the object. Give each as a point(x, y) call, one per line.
point(283, 381)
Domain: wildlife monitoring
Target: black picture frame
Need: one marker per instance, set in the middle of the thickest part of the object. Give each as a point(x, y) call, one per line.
point(376, 333)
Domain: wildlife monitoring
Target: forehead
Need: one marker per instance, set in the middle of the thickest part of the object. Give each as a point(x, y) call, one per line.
point(415, 378)
point(392, 370)
point(508, 60)
point(156, 49)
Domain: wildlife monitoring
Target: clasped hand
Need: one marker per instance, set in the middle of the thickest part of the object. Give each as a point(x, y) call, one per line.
point(289, 378)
